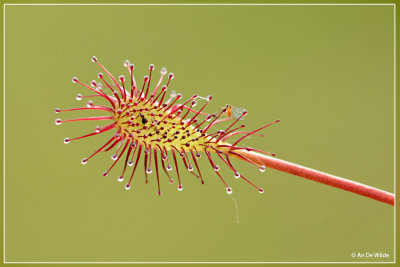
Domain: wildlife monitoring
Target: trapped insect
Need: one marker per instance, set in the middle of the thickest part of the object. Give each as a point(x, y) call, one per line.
point(235, 112)
point(150, 125)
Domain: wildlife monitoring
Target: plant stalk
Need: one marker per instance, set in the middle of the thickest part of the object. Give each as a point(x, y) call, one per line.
point(319, 177)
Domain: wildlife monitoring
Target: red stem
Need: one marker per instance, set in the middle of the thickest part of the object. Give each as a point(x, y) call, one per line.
point(319, 177)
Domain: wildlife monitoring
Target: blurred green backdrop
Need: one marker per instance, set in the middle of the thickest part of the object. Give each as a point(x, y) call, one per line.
point(325, 71)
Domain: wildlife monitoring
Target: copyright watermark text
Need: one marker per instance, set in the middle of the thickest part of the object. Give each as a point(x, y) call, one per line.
point(369, 255)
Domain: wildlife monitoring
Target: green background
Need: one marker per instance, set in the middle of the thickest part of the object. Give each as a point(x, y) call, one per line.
point(325, 71)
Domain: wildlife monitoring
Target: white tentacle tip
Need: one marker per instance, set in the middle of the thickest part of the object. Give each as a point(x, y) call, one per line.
point(229, 190)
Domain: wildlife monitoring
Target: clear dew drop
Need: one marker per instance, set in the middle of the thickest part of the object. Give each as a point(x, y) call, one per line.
point(169, 167)
point(261, 191)
point(216, 168)
point(105, 174)
point(173, 93)
point(237, 175)
point(148, 170)
point(97, 129)
point(229, 190)
point(127, 186)
point(130, 163)
point(190, 168)
point(114, 157)
point(120, 178)
point(66, 140)
point(58, 122)
point(79, 97)
point(262, 168)
point(84, 161)
point(180, 187)
point(57, 110)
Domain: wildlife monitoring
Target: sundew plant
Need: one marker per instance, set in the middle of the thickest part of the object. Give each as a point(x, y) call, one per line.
point(162, 129)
